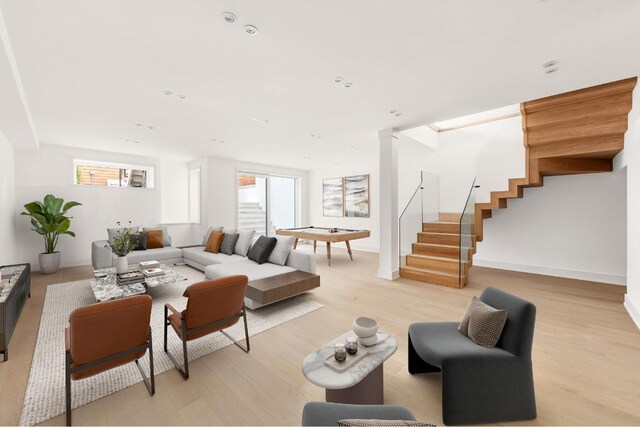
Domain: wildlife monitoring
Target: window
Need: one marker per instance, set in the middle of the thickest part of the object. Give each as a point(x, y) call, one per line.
point(104, 174)
point(266, 203)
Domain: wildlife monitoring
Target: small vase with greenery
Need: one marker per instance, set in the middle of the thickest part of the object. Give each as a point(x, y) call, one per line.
point(49, 220)
point(122, 246)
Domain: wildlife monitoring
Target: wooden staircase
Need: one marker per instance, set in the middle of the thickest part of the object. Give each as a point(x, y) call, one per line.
point(572, 133)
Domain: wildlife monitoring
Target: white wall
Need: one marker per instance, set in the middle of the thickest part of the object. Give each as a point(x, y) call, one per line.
point(8, 211)
point(492, 153)
point(174, 194)
point(629, 159)
point(50, 170)
point(574, 226)
point(221, 189)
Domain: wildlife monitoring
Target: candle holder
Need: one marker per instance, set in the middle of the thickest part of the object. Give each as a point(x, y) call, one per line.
point(352, 345)
point(340, 352)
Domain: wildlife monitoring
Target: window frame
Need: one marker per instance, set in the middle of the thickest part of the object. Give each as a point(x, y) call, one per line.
point(149, 169)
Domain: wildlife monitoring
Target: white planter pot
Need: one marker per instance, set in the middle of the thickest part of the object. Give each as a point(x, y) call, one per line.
point(49, 263)
point(122, 264)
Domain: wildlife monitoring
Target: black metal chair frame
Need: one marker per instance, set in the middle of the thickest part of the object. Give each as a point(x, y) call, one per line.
point(184, 370)
point(149, 382)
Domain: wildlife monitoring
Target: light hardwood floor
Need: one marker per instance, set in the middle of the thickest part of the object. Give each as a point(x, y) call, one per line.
point(586, 353)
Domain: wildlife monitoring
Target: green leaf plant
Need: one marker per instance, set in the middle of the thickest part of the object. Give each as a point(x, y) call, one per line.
point(49, 220)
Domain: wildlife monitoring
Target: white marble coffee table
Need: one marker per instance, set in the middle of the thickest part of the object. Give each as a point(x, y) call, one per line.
point(105, 285)
point(361, 383)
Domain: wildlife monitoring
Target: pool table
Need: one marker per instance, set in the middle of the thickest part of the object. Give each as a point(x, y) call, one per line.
point(325, 235)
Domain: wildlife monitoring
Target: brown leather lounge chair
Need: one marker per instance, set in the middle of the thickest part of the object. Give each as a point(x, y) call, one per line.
point(106, 335)
point(212, 306)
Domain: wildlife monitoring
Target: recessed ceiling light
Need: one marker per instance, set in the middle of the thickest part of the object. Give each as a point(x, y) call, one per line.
point(136, 142)
point(261, 120)
point(355, 147)
point(348, 84)
point(229, 17)
point(393, 111)
point(338, 79)
point(182, 97)
point(314, 136)
point(251, 30)
point(398, 114)
point(167, 92)
point(307, 158)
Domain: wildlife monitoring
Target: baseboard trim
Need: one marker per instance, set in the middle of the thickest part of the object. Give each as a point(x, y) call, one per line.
point(557, 272)
point(389, 275)
point(64, 264)
point(632, 309)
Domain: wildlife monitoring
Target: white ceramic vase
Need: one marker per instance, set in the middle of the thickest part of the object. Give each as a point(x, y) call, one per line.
point(49, 263)
point(122, 264)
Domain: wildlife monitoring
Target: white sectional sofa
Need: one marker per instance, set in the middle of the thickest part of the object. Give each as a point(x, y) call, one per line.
point(263, 278)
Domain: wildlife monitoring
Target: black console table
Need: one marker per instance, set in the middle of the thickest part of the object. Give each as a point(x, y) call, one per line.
point(13, 295)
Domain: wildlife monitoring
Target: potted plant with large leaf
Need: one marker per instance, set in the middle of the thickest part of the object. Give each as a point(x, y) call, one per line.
point(49, 219)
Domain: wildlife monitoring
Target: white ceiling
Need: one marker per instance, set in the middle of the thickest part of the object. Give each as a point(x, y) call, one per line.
point(92, 69)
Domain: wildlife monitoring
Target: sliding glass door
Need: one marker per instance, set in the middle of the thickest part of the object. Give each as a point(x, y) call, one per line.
point(266, 202)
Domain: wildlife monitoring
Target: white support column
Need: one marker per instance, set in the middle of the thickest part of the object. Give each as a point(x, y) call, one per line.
point(388, 197)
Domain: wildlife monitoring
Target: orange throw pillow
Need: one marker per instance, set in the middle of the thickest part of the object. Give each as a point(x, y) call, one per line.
point(154, 239)
point(214, 242)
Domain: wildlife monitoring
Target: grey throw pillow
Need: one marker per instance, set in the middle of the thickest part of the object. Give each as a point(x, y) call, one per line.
point(166, 239)
point(282, 250)
point(244, 242)
point(483, 323)
point(229, 243)
point(208, 234)
point(261, 249)
point(113, 231)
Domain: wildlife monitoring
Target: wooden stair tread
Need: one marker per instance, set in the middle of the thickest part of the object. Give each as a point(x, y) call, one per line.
point(445, 234)
point(427, 270)
point(436, 258)
point(441, 245)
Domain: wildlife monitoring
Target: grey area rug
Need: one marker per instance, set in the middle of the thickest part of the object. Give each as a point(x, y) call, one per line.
point(44, 397)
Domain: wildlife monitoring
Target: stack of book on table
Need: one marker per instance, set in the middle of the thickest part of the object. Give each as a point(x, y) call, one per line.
point(152, 272)
point(130, 278)
point(145, 265)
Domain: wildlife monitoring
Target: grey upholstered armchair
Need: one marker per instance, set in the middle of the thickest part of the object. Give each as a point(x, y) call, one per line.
point(480, 385)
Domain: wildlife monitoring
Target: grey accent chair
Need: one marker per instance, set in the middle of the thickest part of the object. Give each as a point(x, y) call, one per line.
point(328, 414)
point(480, 385)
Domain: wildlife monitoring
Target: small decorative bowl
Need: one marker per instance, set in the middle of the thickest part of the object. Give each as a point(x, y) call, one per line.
point(365, 327)
point(369, 341)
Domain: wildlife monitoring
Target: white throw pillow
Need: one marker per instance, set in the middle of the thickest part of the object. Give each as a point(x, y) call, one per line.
point(281, 252)
point(208, 234)
point(244, 241)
